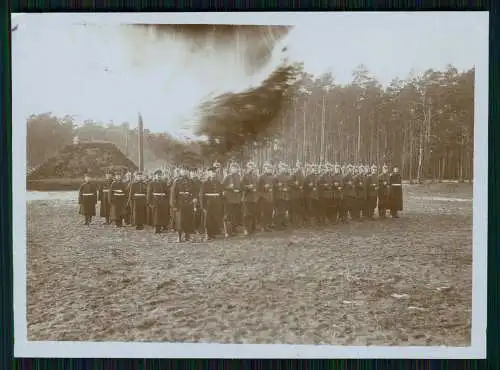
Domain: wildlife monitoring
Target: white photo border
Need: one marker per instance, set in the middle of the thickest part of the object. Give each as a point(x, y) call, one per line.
point(52, 349)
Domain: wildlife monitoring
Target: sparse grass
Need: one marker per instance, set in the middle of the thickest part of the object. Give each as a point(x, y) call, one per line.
point(330, 285)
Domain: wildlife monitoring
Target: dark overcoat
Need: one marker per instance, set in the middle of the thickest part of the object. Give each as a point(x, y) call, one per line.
point(371, 189)
point(87, 199)
point(211, 203)
point(182, 194)
point(158, 201)
point(104, 210)
point(138, 202)
point(117, 200)
point(395, 192)
point(383, 191)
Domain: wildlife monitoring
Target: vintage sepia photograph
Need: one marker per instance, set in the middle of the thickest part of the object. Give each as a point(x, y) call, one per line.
point(191, 184)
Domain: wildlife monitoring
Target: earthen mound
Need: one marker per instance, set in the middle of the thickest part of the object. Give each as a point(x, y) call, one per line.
point(74, 160)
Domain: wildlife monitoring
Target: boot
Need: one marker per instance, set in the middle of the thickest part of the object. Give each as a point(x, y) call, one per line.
point(157, 229)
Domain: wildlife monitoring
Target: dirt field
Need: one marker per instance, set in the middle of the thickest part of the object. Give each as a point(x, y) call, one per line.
point(387, 282)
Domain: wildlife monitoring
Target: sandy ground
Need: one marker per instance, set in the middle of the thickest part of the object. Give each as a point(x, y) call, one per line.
point(386, 282)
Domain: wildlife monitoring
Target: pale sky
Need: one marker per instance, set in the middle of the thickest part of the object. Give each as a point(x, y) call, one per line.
point(107, 72)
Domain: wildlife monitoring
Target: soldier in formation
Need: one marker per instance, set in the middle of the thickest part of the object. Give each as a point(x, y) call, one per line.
point(182, 200)
point(220, 200)
point(232, 186)
point(211, 203)
point(87, 199)
point(250, 199)
point(137, 201)
point(117, 200)
point(104, 210)
point(159, 202)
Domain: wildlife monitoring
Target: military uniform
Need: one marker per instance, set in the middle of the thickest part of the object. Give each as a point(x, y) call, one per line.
point(350, 193)
point(251, 199)
point(327, 198)
point(104, 209)
point(128, 211)
point(182, 195)
point(311, 194)
point(339, 208)
point(395, 193)
point(158, 200)
point(211, 203)
point(371, 188)
point(167, 182)
point(137, 200)
point(383, 192)
point(358, 203)
point(232, 200)
point(298, 207)
point(197, 210)
point(266, 188)
point(283, 197)
point(87, 199)
point(118, 201)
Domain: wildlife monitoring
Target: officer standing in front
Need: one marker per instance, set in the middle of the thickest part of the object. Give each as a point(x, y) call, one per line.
point(395, 192)
point(87, 199)
point(383, 192)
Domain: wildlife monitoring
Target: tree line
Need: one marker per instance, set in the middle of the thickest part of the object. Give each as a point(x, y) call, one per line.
point(424, 124)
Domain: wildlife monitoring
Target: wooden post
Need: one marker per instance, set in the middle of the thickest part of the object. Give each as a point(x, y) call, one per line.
point(141, 141)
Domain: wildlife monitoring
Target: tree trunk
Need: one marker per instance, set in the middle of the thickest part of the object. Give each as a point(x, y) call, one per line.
point(304, 159)
point(411, 159)
point(420, 155)
point(461, 168)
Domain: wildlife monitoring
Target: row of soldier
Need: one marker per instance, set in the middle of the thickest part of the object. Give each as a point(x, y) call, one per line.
point(219, 204)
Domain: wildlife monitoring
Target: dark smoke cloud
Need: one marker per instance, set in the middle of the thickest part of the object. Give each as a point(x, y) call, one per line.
point(257, 42)
point(232, 120)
